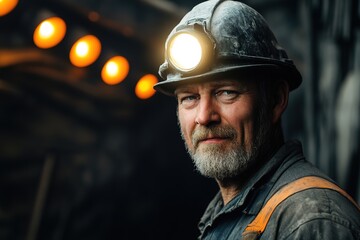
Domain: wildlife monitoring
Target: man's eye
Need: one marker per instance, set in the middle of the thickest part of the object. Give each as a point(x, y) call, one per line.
point(227, 94)
point(187, 101)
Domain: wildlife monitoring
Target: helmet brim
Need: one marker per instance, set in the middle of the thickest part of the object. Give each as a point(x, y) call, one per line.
point(271, 71)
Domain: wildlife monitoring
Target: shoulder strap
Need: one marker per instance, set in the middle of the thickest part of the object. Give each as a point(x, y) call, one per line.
point(258, 225)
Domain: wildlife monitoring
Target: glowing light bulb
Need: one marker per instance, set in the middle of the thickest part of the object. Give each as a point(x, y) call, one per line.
point(144, 87)
point(85, 51)
point(115, 70)
point(49, 32)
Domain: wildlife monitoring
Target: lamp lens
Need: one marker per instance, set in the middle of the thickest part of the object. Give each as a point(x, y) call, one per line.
point(185, 52)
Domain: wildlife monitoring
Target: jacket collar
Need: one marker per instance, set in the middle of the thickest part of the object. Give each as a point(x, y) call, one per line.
point(260, 183)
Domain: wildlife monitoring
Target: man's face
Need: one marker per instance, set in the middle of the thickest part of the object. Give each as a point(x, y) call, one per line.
point(220, 124)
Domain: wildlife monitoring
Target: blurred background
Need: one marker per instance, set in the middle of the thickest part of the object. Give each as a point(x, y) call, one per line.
point(89, 151)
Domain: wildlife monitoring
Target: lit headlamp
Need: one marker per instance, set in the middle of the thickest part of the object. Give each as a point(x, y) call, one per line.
point(190, 49)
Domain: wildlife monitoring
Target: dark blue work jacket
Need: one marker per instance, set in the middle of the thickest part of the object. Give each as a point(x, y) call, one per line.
point(310, 214)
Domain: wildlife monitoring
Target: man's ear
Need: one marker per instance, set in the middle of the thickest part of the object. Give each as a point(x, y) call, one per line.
point(281, 100)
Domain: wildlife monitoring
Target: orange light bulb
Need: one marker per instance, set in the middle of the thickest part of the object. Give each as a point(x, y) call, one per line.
point(115, 70)
point(85, 51)
point(144, 88)
point(49, 32)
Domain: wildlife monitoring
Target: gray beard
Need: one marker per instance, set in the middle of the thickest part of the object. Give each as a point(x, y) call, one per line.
point(212, 161)
point(230, 161)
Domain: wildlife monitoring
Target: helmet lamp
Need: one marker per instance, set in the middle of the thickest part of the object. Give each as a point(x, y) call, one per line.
point(185, 52)
point(189, 49)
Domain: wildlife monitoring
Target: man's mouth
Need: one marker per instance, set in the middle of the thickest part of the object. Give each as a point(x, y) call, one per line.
point(213, 136)
point(212, 140)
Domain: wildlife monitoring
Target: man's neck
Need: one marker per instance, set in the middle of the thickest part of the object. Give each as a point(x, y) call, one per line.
point(230, 187)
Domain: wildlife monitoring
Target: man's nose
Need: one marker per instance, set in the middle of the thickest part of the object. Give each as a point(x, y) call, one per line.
point(207, 112)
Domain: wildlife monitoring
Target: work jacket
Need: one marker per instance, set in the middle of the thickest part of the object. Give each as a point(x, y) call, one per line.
point(309, 214)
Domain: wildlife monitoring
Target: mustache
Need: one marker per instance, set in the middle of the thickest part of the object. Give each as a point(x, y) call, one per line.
point(201, 133)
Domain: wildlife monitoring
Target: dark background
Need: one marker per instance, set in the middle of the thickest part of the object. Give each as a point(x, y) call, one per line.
point(83, 160)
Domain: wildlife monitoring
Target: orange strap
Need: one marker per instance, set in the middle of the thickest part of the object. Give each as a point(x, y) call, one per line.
point(258, 225)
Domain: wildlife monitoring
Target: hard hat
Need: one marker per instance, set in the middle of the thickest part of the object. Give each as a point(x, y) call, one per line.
point(223, 37)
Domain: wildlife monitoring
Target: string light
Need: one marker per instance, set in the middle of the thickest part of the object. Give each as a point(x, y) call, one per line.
point(85, 51)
